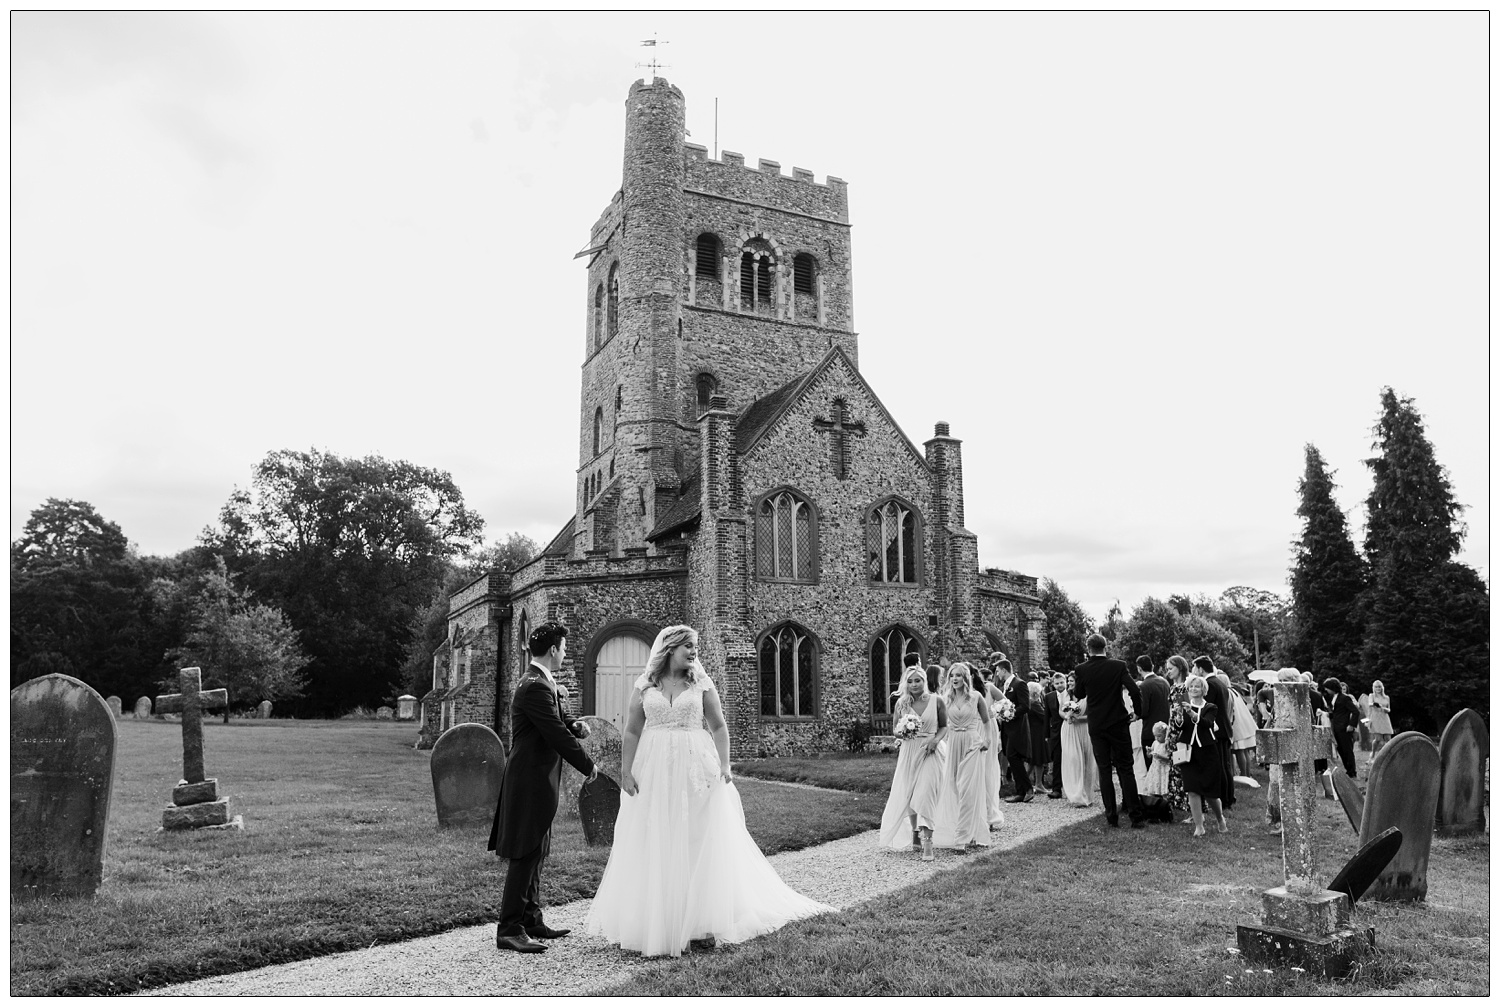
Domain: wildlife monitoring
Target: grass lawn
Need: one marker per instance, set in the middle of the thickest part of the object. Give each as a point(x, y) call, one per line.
point(1093, 910)
point(864, 772)
point(341, 850)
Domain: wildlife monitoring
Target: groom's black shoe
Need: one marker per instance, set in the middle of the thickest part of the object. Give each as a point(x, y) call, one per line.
point(546, 932)
point(518, 942)
point(1113, 820)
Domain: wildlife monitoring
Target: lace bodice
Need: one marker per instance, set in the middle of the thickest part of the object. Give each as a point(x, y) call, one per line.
point(684, 713)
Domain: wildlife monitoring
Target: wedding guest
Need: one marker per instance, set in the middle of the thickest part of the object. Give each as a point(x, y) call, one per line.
point(1218, 696)
point(961, 821)
point(1273, 788)
point(1106, 683)
point(1242, 740)
point(1177, 697)
point(1054, 701)
point(1041, 752)
point(917, 784)
point(1380, 717)
point(1344, 716)
point(994, 759)
point(1080, 774)
point(1154, 703)
point(1319, 706)
point(1202, 774)
point(1016, 732)
point(1265, 703)
point(1154, 787)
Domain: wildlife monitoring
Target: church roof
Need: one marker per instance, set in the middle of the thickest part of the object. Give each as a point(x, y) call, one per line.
point(760, 414)
point(687, 508)
point(562, 542)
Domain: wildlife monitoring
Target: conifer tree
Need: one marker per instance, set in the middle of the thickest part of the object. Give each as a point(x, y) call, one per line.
point(1328, 578)
point(1427, 633)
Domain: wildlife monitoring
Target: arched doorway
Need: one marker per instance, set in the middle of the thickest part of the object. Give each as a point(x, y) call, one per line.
point(616, 663)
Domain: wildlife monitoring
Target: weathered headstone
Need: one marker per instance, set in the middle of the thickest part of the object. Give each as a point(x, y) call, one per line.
point(1366, 864)
point(1464, 748)
point(196, 803)
point(406, 707)
point(1403, 791)
point(598, 807)
point(62, 765)
point(468, 764)
point(263, 710)
point(1349, 796)
point(143, 708)
point(116, 708)
point(384, 713)
point(603, 745)
point(1304, 925)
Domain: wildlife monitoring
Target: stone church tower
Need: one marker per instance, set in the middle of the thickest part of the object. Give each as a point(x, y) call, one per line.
point(737, 473)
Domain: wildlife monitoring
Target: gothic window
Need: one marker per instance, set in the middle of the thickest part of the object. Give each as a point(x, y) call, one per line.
point(598, 428)
point(708, 256)
point(598, 316)
point(614, 300)
point(788, 673)
point(756, 269)
point(894, 536)
point(707, 385)
point(786, 538)
point(887, 653)
point(803, 270)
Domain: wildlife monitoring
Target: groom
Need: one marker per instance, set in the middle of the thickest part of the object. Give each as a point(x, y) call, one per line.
point(1099, 681)
point(541, 738)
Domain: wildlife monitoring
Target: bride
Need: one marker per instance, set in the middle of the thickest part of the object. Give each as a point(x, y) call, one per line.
point(683, 867)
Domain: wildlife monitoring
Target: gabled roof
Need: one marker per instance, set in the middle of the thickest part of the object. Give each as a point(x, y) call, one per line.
point(686, 509)
point(562, 542)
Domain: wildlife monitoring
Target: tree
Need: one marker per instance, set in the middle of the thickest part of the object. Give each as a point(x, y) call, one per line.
point(1427, 616)
point(1328, 578)
point(241, 645)
point(350, 550)
point(1153, 630)
point(1068, 625)
point(1258, 619)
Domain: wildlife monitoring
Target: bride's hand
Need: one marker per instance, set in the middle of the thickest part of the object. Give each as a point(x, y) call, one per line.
point(627, 785)
point(726, 775)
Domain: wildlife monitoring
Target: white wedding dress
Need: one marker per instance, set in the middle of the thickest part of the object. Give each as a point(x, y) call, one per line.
point(683, 866)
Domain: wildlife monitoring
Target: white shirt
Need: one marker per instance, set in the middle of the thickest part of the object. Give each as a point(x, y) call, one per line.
point(546, 674)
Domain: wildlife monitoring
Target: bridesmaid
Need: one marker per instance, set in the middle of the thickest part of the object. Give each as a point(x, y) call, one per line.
point(1080, 773)
point(992, 810)
point(918, 783)
point(961, 819)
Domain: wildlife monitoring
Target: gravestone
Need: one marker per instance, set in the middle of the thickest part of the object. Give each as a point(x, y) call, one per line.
point(1366, 864)
point(384, 713)
point(1463, 750)
point(196, 803)
point(1348, 795)
point(62, 766)
point(1304, 925)
point(143, 708)
point(1403, 791)
point(598, 807)
point(603, 745)
point(263, 710)
point(406, 707)
point(116, 708)
point(468, 764)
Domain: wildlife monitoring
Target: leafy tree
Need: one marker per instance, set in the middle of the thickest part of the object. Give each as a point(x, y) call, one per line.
point(1153, 629)
point(1068, 625)
point(1114, 622)
point(241, 645)
point(1427, 630)
point(350, 550)
point(1328, 578)
point(1201, 635)
point(1258, 619)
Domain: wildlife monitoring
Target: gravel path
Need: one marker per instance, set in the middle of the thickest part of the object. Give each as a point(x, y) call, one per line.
point(843, 873)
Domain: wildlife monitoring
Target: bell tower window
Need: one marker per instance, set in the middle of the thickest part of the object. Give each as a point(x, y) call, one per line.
point(598, 428)
point(707, 264)
point(614, 300)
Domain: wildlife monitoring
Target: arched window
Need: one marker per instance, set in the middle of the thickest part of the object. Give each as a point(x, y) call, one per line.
point(707, 385)
point(788, 673)
point(756, 270)
point(804, 268)
point(894, 536)
point(614, 300)
point(887, 653)
point(598, 427)
point(786, 538)
point(708, 256)
point(598, 316)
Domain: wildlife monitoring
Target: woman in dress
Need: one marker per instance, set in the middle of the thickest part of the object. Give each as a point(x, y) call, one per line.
point(683, 868)
point(918, 782)
point(1177, 673)
point(1079, 771)
point(1319, 705)
point(1203, 773)
point(1242, 738)
point(961, 820)
point(1380, 717)
point(1036, 719)
point(992, 810)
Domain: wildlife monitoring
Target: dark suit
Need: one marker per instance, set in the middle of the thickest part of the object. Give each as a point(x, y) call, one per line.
point(1099, 681)
point(1218, 694)
point(1017, 741)
point(1155, 709)
point(540, 741)
point(1054, 738)
point(1344, 717)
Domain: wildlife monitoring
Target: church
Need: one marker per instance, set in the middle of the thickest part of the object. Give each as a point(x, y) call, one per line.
point(737, 473)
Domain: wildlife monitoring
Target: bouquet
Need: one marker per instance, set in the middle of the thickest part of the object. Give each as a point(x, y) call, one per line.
point(907, 726)
point(1007, 709)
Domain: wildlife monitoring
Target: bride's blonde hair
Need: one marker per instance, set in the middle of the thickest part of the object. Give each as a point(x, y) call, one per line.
point(667, 641)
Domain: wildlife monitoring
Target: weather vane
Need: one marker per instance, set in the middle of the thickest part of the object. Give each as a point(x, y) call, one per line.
point(654, 66)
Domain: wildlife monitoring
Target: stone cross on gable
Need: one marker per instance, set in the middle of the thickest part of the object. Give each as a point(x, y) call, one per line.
point(1293, 745)
point(191, 701)
point(840, 427)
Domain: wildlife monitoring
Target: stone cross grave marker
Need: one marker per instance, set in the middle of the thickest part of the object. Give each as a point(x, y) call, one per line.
point(195, 800)
point(1463, 749)
point(1304, 924)
point(468, 765)
point(143, 708)
point(116, 707)
point(62, 764)
point(1403, 791)
point(263, 709)
point(604, 745)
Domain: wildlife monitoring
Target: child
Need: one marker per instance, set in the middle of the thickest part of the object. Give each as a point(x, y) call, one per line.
point(1155, 784)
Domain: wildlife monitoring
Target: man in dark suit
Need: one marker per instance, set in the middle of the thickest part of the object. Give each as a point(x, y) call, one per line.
point(541, 738)
point(1017, 741)
point(1053, 701)
point(1218, 694)
point(1099, 680)
point(1155, 709)
point(1343, 716)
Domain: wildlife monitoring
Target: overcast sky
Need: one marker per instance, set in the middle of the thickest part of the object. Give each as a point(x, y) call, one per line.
point(1136, 260)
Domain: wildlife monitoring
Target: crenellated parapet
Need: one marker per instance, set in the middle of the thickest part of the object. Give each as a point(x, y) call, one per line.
point(764, 185)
